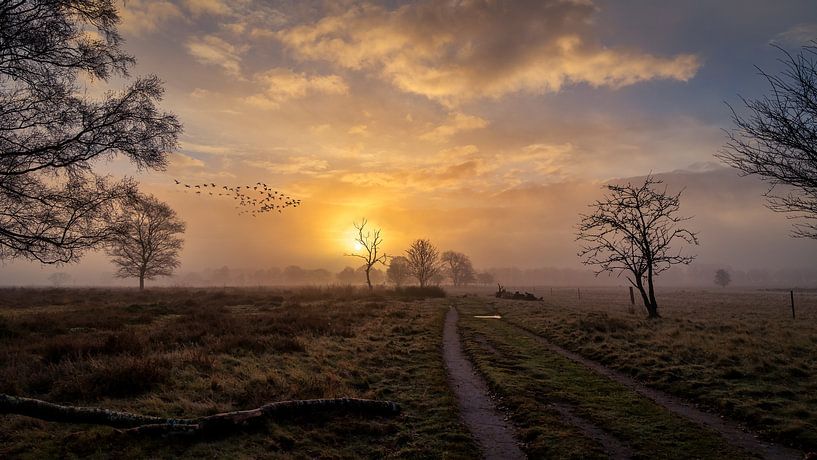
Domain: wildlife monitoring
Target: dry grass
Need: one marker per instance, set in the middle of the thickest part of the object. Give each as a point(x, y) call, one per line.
point(738, 353)
point(195, 352)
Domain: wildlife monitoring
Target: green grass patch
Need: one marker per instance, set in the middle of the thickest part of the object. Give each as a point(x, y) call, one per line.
point(529, 378)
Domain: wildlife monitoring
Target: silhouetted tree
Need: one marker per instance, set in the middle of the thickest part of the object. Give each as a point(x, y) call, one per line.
point(398, 271)
point(722, 278)
point(424, 261)
point(347, 276)
point(147, 242)
point(369, 242)
point(777, 139)
point(631, 231)
point(458, 267)
point(485, 278)
point(54, 207)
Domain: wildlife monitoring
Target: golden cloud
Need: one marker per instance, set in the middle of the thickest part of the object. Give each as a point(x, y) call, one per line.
point(450, 52)
point(284, 84)
point(212, 50)
point(456, 123)
point(142, 16)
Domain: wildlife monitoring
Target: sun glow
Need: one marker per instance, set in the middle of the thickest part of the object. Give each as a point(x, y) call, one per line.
point(357, 246)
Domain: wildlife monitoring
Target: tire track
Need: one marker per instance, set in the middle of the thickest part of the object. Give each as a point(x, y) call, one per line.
point(729, 430)
point(493, 434)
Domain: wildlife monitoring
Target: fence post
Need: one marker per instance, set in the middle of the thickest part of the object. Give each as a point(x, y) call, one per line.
point(791, 293)
point(579, 292)
point(632, 296)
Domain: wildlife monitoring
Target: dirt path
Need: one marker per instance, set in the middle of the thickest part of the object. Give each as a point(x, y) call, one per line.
point(730, 431)
point(493, 434)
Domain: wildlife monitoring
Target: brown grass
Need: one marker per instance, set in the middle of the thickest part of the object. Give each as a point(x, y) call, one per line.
point(194, 352)
point(735, 352)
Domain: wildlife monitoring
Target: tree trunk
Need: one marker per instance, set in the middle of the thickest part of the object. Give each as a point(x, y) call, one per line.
point(141, 282)
point(640, 286)
point(652, 308)
point(368, 279)
point(144, 424)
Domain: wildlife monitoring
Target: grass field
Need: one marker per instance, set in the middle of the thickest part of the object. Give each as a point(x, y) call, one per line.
point(190, 352)
point(738, 353)
point(179, 352)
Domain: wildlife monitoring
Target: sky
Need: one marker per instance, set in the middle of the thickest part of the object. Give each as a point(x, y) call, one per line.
point(486, 126)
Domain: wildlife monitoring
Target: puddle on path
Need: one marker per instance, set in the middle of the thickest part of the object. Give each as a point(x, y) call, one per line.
point(488, 316)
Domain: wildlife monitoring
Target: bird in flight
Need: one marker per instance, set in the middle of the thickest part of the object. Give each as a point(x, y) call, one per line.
point(253, 200)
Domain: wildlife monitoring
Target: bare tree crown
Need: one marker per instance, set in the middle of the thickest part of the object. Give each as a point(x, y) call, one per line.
point(370, 243)
point(424, 261)
point(777, 139)
point(53, 206)
point(147, 242)
point(632, 230)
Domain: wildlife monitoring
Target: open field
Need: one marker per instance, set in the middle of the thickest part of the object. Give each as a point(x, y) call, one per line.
point(191, 352)
point(737, 353)
point(197, 352)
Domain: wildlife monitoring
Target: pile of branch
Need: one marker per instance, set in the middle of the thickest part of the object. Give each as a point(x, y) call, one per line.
point(501, 293)
point(146, 424)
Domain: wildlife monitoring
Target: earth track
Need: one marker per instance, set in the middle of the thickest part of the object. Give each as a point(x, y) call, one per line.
point(492, 432)
point(730, 431)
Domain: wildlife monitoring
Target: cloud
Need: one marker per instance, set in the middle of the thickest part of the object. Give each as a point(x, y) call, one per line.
point(457, 122)
point(213, 7)
point(180, 161)
point(284, 84)
point(143, 16)
point(212, 50)
point(456, 51)
point(798, 35)
point(307, 165)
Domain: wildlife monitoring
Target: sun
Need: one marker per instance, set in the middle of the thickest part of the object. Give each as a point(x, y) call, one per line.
point(356, 244)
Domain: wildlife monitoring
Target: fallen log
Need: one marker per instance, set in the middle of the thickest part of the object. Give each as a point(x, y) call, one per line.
point(147, 424)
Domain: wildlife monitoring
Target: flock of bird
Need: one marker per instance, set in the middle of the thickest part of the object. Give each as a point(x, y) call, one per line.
point(250, 199)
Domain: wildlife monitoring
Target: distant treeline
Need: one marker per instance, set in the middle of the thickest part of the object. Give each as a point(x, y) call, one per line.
point(694, 275)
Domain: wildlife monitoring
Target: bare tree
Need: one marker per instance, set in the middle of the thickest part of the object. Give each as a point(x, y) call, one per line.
point(147, 241)
point(347, 276)
point(53, 206)
point(458, 267)
point(370, 242)
point(777, 139)
point(632, 231)
point(424, 261)
point(398, 271)
point(722, 278)
point(485, 278)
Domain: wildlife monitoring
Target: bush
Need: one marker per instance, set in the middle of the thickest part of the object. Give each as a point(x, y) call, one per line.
point(417, 292)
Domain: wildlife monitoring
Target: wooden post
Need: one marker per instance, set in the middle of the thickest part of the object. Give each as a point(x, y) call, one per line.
point(632, 296)
point(791, 293)
point(579, 292)
point(551, 292)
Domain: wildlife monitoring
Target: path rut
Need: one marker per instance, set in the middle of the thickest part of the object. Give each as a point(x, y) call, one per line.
point(493, 434)
point(730, 431)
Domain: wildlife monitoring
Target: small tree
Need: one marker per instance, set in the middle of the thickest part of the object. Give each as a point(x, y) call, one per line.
point(424, 261)
point(459, 268)
point(369, 246)
point(398, 271)
point(722, 278)
point(632, 231)
point(347, 276)
point(147, 242)
point(485, 278)
point(777, 140)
